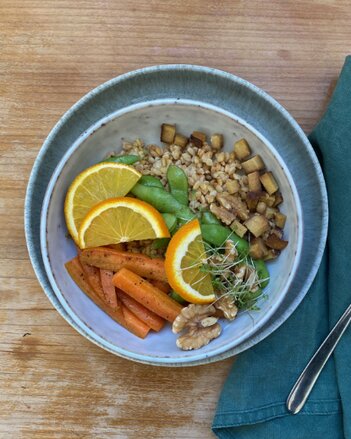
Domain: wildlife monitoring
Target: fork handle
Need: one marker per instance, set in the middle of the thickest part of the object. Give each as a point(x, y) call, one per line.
point(310, 374)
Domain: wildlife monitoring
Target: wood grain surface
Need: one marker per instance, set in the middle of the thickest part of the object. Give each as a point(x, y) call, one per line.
point(54, 383)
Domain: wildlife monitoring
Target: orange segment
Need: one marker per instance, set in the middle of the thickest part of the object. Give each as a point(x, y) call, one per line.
point(119, 220)
point(95, 184)
point(184, 259)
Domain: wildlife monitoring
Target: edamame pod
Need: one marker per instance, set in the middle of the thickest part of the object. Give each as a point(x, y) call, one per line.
point(162, 200)
point(150, 181)
point(178, 184)
point(217, 235)
point(185, 215)
point(160, 243)
point(125, 159)
point(208, 218)
point(170, 220)
point(262, 272)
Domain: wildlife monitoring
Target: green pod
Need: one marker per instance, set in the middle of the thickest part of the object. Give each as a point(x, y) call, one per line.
point(208, 218)
point(185, 215)
point(125, 159)
point(262, 272)
point(160, 243)
point(170, 220)
point(162, 200)
point(178, 184)
point(217, 235)
point(175, 296)
point(150, 181)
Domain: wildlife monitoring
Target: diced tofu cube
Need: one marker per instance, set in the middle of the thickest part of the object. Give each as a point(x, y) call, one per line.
point(253, 164)
point(198, 138)
point(217, 141)
point(167, 133)
point(257, 225)
point(269, 183)
point(252, 200)
point(276, 243)
point(241, 149)
point(270, 212)
point(258, 249)
point(278, 199)
point(254, 181)
point(180, 140)
point(232, 186)
point(238, 228)
point(280, 219)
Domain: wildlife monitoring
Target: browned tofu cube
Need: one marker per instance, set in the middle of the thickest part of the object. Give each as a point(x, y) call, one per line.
point(252, 200)
point(198, 138)
point(280, 219)
point(253, 164)
point(238, 228)
point(257, 225)
point(270, 212)
point(269, 183)
point(167, 133)
point(241, 149)
point(232, 186)
point(180, 140)
point(254, 181)
point(278, 199)
point(258, 249)
point(217, 141)
point(276, 243)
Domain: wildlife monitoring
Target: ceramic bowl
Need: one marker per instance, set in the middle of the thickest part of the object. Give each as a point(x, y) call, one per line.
point(257, 117)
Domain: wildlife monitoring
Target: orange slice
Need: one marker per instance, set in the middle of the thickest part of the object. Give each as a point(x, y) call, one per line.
point(184, 259)
point(121, 219)
point(95, 184)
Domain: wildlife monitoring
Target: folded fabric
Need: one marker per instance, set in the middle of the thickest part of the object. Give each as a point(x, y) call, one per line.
point(252, 402)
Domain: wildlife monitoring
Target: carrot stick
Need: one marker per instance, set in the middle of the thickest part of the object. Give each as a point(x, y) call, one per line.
point(93, 277)
point(163, 286)
point(76, 272)
point(146, 294)
point(150, 318)
point(109, 289)
point(109, 259)
point(138, 326)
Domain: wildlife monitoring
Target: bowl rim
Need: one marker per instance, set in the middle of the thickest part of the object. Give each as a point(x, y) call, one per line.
point(194, 355)
point(221, 75)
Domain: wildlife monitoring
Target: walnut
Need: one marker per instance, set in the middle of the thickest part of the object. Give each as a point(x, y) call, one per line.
point(227, 306)
point(249, 275)
point(222, 213)
point(230, 251)
point(200, 325)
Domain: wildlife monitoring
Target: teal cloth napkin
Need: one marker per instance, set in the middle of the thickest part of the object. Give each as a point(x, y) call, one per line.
point(252, 402)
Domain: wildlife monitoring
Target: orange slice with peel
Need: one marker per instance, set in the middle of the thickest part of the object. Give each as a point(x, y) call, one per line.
point(184, 259)
point(119, 220)
point(93, 185)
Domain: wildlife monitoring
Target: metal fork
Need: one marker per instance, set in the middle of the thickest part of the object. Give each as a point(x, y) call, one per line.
point(303, 386)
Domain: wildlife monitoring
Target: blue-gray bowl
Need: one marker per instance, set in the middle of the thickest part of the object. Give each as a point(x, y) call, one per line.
point(96, 119)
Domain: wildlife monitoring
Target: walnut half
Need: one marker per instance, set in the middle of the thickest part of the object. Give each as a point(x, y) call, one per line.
point(227, 306)
point(200, 326)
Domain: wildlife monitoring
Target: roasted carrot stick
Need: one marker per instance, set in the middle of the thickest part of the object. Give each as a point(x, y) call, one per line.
point(93, 277)
point(114, 260)
point(76, 272)
point(150, 318)
point(133, 322)
point(163, 286)
point(145, 293)
point(108, 288)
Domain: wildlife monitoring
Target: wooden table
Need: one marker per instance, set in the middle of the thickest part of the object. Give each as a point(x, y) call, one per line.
point(54, 383)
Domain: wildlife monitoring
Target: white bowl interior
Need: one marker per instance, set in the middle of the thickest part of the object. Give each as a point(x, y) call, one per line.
point(143, 121)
